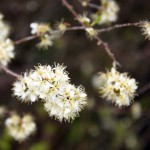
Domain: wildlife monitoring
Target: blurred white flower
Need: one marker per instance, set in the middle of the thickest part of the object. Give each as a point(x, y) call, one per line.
point(136, 110)
point(6, 51)
point(84, 19)
point(145, 27)
point(61, 26)
point(20, 128)
point(45, 41)
point(4, 29)
point(117, 87)
point(39, 28)
point(90, 32)
point(108, 12)
point(46, 34)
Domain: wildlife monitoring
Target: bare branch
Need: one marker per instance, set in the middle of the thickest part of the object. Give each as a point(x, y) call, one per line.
point(8, 71)
point(26, 39)
point(75, 28)
point(108, 50)
point(118, 26)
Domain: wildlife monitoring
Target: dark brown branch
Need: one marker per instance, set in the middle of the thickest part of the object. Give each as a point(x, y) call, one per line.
point(108, 50)
point(75, 28)
point(26, 39)
point(118, 26)
point(8, 71)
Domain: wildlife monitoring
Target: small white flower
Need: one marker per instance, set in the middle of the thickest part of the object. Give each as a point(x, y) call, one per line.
point(45, 41)
point(46, 34)
point(145, 27)
point(117, 87)
point(6, 51)
point(61, 26)
point(20, 128)
point(39, 28)
point(84, 19)
point(90, 32)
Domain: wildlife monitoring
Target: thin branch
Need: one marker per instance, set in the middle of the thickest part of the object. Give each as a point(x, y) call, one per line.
point(75, 28)
point(118, 26)
point(105, 45)
point(26, 39)
point(8, 71)
point(144, 89)
point(29, 38)
point(108, 50)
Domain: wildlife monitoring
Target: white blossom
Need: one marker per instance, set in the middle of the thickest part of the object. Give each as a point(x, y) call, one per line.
point(84, 19)
point(108, 13)
point(61, 26)
point(117, 87)
point(61, 99)
point(4, 29)
point(45, 41)
point(39, 28)
point(46, 34)
point(145, 27)
point(40, 83)
point(90, 32)
point(6, 51)
point(68, 102)
point(20, 128)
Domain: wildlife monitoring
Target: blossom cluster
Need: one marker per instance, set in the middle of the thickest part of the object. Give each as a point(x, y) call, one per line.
point(62, 100)
point(6, 45)
point(46, 33)
point(20, 128)
point(117, 87)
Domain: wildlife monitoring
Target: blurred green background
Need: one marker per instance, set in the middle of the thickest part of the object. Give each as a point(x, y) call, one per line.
point(101, 125)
